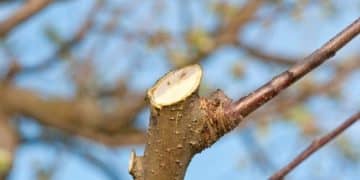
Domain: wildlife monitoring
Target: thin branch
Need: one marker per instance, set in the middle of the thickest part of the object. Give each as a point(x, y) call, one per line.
point(281, 104)
point(28, 10)
point(256, 99)
point(315, 146)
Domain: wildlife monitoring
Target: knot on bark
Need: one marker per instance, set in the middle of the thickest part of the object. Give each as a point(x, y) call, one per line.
point(216, 122)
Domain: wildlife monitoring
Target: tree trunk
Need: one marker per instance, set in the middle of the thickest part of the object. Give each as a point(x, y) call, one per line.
point(181, 125)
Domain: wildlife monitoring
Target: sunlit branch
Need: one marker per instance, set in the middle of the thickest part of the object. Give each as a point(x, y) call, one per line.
point(256, 99)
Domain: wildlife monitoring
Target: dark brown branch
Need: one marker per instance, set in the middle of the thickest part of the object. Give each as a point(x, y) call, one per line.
point(315, 146)
point(250, 103)
point(28, 10)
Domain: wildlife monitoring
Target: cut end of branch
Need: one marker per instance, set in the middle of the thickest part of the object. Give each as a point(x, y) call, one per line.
point(175, 86)
point(135, 166)
point(132, 161)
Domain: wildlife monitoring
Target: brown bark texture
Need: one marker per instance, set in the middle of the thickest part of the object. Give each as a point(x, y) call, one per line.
point(179, 131)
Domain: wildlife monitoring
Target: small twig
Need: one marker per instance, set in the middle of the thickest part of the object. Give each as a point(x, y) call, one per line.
point(315, 146)
point(256, 99)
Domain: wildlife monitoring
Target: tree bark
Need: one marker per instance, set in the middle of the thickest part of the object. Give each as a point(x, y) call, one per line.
point(180, 129)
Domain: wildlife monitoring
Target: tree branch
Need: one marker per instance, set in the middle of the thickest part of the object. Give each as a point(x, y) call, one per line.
point(281, 104)
point(29, 9)
point(83, 117)
point(250, 103)
point(183, 124)
point(315, 146)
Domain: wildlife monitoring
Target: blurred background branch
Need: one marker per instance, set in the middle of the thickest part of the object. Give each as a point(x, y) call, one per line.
point(29, 9)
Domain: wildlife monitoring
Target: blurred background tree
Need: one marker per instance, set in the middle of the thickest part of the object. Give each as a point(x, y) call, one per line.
point(74, 76)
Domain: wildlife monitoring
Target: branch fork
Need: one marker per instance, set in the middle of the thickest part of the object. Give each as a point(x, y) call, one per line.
point(183, 124)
